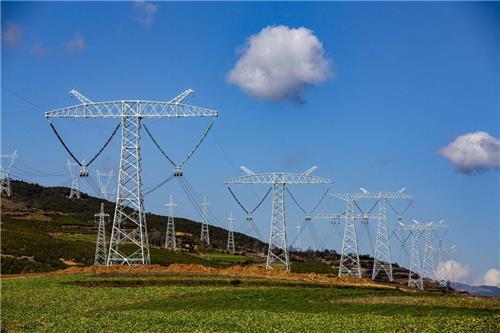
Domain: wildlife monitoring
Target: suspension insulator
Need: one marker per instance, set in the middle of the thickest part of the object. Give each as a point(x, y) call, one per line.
point(84, 172)
point(249, 217)
point(177, 172)
point(307, 218)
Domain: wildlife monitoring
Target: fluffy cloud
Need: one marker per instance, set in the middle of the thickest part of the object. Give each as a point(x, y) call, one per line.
point(279, 63)
point(11, 34)
point(76, 44)
point(492, 277)
point(475, 151)
point(145, 12)
point(454, 271)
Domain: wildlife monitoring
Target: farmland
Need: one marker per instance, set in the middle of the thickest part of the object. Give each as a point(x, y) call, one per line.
point(115, 302)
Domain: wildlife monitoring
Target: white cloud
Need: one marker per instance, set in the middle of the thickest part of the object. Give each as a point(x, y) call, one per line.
point(76, 44)
point(12, 34)
point(492, 277)
point(279, 63)
point(475, 151)
point(454, 271)
point(39, 50)
point(145, 12)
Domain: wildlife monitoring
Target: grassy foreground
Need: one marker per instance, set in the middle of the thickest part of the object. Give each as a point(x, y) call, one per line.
point(87, 303)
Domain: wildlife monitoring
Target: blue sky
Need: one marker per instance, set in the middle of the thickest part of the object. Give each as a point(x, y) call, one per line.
point(407, 80)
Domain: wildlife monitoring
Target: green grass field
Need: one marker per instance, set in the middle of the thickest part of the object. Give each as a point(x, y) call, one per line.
point(87, 303)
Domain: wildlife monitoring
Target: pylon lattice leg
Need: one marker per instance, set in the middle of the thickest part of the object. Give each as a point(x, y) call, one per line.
point(429, 268)
point(382, 258)
point(205, 236)
point(75, 188)
point(278, 247)
point(129, 239)
point(415, 275)
point(349, 258)
point(170, 242)
point(5, 184)
point(100, 249)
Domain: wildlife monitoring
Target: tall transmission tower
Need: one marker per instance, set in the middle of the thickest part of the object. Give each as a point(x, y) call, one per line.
point(429, 269)
point(415, 271)
point(170, 241)
point(382, 256)
point(205, 237)
point(230, 235)
point(442, 273)
point(298, 242)
point(104, 179)
point(129, 239)
point(100, 248)
point(5, 171)
point(278, 246)
point(75, 180)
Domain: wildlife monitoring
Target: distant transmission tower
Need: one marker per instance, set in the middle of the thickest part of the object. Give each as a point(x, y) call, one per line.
point(442, 274)
point(230, 235)
point(104, 179)
point(415, 271)
point(205, 237)
point(100, 248)
point(382, 257)
point(75, 180)
point(298, 242)
point(429, 270)
point(170, 241)
point(129, 238)
point(278, 246)
point(5, 171)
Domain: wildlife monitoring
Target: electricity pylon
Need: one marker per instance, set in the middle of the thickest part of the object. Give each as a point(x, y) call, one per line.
point(104, 179)
point(170, 241)
point(5, 171)
point(298, 242)
point(382, 257)
point(415, 271)
point(278, 246)
point(129, 239)
point(75, 180)
point(230, 235)
point(441, 274)
point(205, 237)
point(100, 247)
point(429, 269)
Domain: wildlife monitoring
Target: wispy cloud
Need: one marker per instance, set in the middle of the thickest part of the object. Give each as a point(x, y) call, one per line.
point(145, 12)
point(39, 50)
point(76, 44)
point(473, 152)
point(279, 63)
point(12, 34)
point(454, 271)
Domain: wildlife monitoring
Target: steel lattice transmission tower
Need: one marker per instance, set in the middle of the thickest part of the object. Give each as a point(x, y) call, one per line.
point(100, 248)
point(429, 269)
point(205, 236)
point(382, 255)
point(104, 179)
point(230, 234)
point(5, 170)
point(75, 180)
point(129, 240)
point(415, 271)
point(278, 246)
point(441, 274)
point(170, 241)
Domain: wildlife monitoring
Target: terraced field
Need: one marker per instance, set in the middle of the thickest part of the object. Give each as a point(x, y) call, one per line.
point(170, 302)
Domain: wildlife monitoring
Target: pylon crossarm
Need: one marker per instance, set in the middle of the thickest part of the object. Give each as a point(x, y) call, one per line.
point(131, 108)
point(272, 178)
